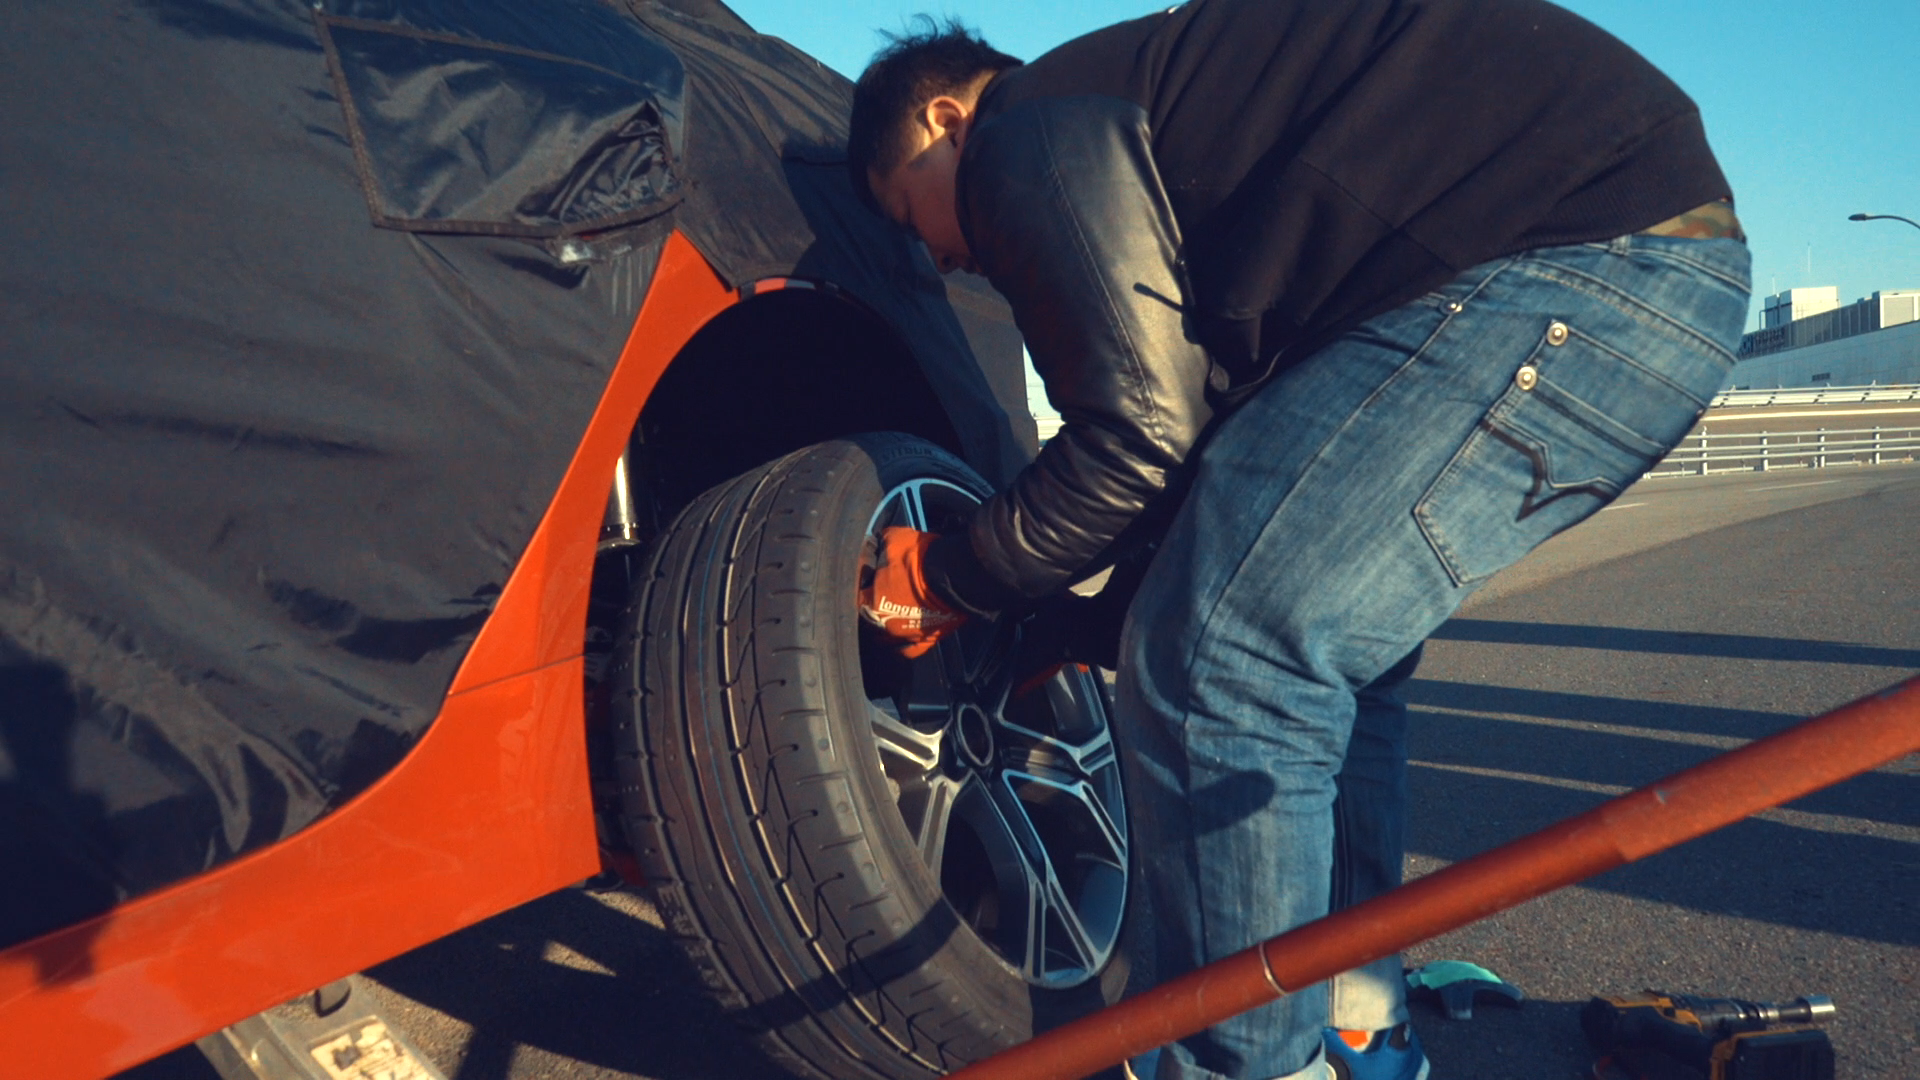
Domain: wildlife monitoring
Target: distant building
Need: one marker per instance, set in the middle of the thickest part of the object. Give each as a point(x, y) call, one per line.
point(1784, 307)
point(1807, 338)
point(1798, 318)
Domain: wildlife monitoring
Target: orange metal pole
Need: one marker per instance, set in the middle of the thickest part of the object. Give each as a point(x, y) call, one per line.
point(1777, 769)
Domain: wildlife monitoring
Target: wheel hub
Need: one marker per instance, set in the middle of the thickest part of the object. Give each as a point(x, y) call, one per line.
point(974, 736)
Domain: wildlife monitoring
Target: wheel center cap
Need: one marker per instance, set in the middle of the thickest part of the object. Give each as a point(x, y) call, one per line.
point(976, 736)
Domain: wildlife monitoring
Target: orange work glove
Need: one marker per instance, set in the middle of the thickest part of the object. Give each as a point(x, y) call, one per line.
point(898, 599)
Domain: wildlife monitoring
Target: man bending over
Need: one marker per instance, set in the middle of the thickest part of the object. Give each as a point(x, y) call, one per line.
point(1346, 305)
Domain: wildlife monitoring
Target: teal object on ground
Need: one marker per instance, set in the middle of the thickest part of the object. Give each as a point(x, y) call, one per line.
point(1457, 983)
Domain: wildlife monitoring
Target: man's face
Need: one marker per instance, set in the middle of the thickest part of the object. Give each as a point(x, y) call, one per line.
point(919, 193)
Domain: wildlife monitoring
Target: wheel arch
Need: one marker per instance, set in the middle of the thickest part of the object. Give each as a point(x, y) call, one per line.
point(789, 364)
point(792, 364)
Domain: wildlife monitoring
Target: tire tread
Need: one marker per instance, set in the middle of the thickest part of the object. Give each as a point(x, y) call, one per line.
point(738, 794)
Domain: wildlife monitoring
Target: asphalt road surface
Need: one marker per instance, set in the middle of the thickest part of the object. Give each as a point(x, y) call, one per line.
point(1691, 616)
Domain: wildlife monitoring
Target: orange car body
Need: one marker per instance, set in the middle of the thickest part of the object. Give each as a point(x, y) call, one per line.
point(491, 809)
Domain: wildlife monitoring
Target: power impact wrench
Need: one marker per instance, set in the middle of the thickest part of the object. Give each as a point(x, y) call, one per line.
point(1721, 1038)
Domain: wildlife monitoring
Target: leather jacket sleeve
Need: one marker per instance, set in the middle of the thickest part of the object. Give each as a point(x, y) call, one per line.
point(1065, 214)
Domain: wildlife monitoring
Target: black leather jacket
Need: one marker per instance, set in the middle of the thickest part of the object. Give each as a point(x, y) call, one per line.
point(1094, 280)
point(1177, 206)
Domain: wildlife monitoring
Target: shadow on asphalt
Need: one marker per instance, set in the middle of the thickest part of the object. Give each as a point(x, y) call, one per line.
point(185, 1063)
point(1676, 642)
point(1540, 1040)
point(617, 994)
point(640, 1009)
point(1815, 879)
point(644, 1012)
point(1655, 716)
point(1607, 757)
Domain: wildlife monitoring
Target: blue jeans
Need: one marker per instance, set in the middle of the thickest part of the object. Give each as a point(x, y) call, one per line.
point(1335, 521)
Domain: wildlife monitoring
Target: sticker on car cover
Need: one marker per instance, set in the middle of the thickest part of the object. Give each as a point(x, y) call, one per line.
point(368, 1053)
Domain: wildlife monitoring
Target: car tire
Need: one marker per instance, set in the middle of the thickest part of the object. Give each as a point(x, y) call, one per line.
point(844, 840)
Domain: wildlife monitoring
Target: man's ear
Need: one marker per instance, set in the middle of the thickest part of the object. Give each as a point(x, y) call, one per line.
point(945, 117)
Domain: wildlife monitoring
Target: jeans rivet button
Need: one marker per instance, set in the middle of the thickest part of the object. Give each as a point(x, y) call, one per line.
point(1556, 333)
point(1454, 307)
point(1526, 377)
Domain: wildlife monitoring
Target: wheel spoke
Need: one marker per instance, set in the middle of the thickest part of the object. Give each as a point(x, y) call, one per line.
point(909, 505)
point(1055, 754)
point(1098, 832)
point(1033, 956)
point(1058, 945)
point(1019, 826)
point(1010, 885)
point(1061, 915)
point(915, 498)
point(901, 740)
point(931, 837)
point(1036, 874)
point(925, 795)
point(1095, 754)
point(1080, 751)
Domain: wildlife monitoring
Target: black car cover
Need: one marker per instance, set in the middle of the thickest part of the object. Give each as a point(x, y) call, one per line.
point(305, 309)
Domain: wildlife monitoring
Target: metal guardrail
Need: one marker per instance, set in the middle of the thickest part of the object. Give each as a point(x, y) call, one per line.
point(1706, 453)
point(1813, 395)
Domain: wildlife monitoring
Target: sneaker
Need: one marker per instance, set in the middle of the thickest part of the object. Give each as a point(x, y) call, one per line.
point(1393, 1054)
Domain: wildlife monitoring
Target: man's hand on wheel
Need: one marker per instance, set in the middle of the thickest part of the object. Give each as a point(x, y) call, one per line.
point(898, 600)
point(1056, 633)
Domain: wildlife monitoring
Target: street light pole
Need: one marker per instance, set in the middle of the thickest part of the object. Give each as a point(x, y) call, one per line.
point(1883, 217)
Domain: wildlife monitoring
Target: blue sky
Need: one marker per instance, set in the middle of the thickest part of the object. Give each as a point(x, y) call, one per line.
point(1813, 109)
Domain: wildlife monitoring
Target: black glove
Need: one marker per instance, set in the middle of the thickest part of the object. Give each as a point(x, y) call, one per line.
point(1067, 628)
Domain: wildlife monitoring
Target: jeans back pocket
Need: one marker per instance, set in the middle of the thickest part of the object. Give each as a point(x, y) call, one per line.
point(1579, 423)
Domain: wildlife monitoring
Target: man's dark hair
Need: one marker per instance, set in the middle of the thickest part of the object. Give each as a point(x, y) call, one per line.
point(912, 69)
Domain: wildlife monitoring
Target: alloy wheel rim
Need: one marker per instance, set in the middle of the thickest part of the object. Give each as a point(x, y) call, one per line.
point(1013, 801)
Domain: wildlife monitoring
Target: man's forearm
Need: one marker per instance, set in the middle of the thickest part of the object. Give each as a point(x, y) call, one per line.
point(1069, 220)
